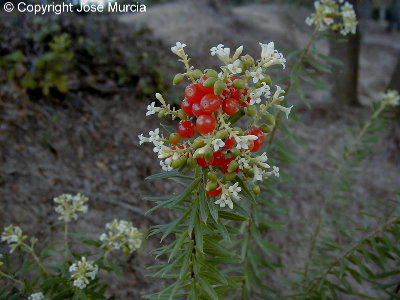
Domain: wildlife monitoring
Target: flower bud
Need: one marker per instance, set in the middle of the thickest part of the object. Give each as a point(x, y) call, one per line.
point(219, 87)
point(212, 176)
point(198, 142)
point(211, 73)
point(178, 79)
point(266, 128)
point(162, 113)
point(199, 153)
point(238, 129)
point(235, 152)
point(248, 60)
point(191, 163)
point(180, 162)
point(222, 134)
point(239, 84)
point(208, 154)
point(233, 165)
point(211, 186)
point(210, 82)
point(250, 110)
point(174, 138)
point(197, 73)
point(256, 189)
point(270, 119)
point(229, 176)
point(181, 114)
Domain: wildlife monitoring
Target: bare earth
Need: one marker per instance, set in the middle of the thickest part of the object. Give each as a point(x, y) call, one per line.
point(91, 146)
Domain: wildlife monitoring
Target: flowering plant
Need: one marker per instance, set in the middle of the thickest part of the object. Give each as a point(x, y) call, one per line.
point(227, 166)
point(62, 273)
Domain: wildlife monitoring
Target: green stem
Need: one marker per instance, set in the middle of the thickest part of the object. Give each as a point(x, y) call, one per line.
point(336, 175)
point(31, 250)
point(66, 244)
point(247, 246)
point(289, 84)
point(10, 277)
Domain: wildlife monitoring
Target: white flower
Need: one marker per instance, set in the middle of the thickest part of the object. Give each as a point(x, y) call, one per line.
point(214, 50)
point(152, 109)
point(82, 272)
point(257, 75)
point(277, 95)
point(13, 236)
point(255, 98)
point(218, 143)
point(178, 49)
point(234, 67)
point(235, 190)
point(243, 163)
point(242, 141)
point(391, 97)
point(258, 173)
point(143, 139)
point(36, 296)
point(224, 201)
point(286, 110)
point(270, 56)
point(121, 235)
point(275, 171)
point(69, 206)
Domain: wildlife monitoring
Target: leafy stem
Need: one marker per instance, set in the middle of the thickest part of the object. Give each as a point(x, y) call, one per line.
point(349, 251)
point(356, 141)
point(10, 277)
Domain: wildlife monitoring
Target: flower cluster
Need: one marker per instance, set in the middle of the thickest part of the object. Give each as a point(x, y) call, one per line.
point(213, 102)
point(70, 205)
point(82, 272)
point(13, 236)
point(336, 15)
point(121, 235)
point(391, 97)
point(36, 296)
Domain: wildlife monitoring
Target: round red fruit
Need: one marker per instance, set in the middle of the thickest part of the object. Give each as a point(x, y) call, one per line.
point(201, 161)
point(204, 89)
point(214, 193)
point(258, 142)
point(218, 158)
point(187, 107)
point(231, 92)
point(205, 124)
point(229, 143)
point(196, 110)
point(193, 93)
point(230, 106)
point(210, 103)
point(186, 129)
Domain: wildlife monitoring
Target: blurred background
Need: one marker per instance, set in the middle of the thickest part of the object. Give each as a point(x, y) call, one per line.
point(74, 90)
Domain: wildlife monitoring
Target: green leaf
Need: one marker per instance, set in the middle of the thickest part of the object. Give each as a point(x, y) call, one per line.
point(169, 174)
point(208, 289)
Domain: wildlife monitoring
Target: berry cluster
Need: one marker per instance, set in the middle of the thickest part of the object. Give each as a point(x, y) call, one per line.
point(213, 102)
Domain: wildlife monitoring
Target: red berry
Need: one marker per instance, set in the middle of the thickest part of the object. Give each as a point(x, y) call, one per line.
point(230, 106)
point(205, 124)
point(187, 107)
point(245, 99)
point(260, 141)
point(186, 129)
point(196, 110)
point(193, 93)
point(204, 89)
point(229, 143)
point(231, 92)
point(201, 161)
point(218, 158)
point(215, 192)
point(210, 103)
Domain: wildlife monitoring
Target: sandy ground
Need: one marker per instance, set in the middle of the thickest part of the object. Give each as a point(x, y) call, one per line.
point(90, 145)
